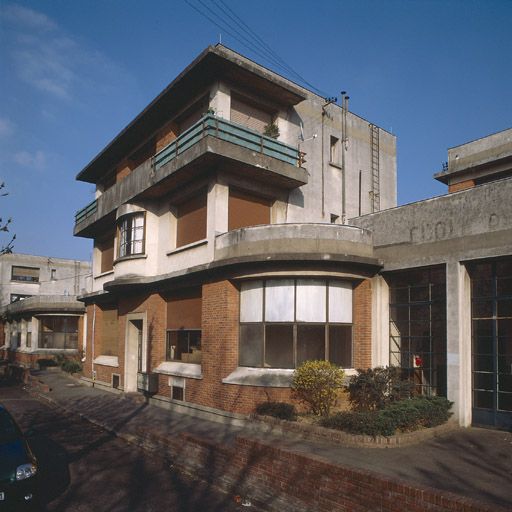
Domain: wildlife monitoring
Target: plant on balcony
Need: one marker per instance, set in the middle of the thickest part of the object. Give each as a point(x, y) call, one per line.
point(271, 130)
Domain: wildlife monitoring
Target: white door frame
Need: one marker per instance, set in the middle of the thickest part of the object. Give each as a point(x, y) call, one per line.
point(131, 352)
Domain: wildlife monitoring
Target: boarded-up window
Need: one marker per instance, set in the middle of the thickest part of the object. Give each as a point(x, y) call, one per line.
point(109, 332)
point(248, 114)
point(191, 220)
point(247, 210)
point(29, 274)
point(106, 248)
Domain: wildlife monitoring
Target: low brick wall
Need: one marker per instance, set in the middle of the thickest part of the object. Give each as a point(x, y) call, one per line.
point(284, 481)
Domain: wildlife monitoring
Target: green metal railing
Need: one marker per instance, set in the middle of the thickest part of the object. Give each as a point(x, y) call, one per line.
point(229, 132)
point(220, 129)
point(89, 210)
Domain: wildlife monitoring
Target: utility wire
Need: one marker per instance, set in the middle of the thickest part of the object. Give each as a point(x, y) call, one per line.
point(256, 44)
point(265, 46)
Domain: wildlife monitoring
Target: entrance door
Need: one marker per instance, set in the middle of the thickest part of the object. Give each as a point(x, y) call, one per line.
point(134, 354)
point(491, 297)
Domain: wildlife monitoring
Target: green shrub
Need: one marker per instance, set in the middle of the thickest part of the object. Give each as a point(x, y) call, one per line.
point(401, 416)
point(316, 383)
point(71, 366)
point(280, 410)
point(375, 388)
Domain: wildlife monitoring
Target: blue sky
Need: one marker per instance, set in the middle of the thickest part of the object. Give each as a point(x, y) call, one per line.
point(437, 73)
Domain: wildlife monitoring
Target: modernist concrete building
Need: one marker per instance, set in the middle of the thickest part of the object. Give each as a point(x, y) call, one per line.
point(39, 313)
point(243, 224)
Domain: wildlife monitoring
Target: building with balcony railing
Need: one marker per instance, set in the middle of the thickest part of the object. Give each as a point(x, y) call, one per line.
point(242, 225)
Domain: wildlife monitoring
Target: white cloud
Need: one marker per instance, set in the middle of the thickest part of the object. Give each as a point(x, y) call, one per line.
point(35, 160)
point(17, 14)
point(46, 58)
point(6, 127)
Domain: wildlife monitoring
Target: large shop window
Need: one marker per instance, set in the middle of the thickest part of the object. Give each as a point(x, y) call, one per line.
point(417, 315)
point(184, 327)
point(131, 235)
point(284, 322)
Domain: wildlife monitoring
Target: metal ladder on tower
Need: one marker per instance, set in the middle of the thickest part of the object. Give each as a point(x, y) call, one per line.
point(374, 156)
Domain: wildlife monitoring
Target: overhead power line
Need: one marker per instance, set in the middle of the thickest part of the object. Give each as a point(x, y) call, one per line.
point(223, 17)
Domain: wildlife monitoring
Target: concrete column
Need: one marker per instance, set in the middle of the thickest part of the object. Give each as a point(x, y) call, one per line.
point(380, 322)
point(458, 342)
point(217, 212)
point(35, 333)
point(220, 100)
point(23, 334)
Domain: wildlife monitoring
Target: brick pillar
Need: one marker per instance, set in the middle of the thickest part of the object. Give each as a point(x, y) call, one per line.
point(362, 325)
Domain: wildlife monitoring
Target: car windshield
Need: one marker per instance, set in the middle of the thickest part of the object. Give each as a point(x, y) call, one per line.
point(8, 429)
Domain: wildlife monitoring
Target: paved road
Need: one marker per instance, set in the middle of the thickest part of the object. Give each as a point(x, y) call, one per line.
point(84, 468)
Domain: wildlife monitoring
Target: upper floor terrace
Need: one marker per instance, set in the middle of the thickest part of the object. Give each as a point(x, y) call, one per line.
point(209, 145)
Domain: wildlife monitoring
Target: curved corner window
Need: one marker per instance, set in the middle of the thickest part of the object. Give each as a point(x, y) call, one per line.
point(284, 322)
point(131, 235)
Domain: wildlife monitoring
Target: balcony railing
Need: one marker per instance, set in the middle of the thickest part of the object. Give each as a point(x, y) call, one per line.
point(89, 210)
point(229, 132)
point(220, 129)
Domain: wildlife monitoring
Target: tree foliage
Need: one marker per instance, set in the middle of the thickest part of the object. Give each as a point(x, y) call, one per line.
point(4, 227)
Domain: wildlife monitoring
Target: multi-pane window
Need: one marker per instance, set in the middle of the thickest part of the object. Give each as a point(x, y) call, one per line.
point(131, 235)
point(417, 327)
point(28, 274)
point(491, 304)
point(284, 322)
point(58, 332)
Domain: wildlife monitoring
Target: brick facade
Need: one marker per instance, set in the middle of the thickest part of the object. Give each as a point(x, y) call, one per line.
point(220, 333)
point(362, 325)
point(463, 185)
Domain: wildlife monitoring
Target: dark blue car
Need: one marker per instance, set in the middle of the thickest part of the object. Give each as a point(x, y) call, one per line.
point(18, 466)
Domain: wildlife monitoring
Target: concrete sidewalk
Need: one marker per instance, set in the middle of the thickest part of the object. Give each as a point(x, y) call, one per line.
point(473, 463)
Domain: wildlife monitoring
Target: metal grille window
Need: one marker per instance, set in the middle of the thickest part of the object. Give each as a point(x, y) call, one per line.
point(288, 321)
point(417, 327)
point(491, 305)
point(29, 274)
point(131, 235)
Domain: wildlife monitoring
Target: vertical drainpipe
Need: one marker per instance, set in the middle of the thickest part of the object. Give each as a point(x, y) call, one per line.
point(92, 341)
point(344, 139)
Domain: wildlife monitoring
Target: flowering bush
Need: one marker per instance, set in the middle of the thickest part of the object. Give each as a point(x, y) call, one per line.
point(316, 383)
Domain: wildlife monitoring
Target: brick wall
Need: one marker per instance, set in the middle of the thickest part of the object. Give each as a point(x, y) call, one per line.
point(463, 185)
point(362, 324)
point(285, 481)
